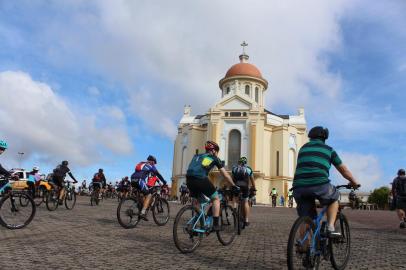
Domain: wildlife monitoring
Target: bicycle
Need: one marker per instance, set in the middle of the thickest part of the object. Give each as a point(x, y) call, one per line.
point(69, 198)
point(274, 200)
point(192, 224)
point(95, 197)
point(13, 215)
point(41, 190)
point(240, 212)
point(129, 209)
point(185, 198)
point(309, 241)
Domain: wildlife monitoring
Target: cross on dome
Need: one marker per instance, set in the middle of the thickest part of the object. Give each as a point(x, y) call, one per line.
point(244, 44)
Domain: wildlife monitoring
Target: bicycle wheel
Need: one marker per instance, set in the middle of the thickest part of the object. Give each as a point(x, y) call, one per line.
point(228, 224)
point(185, 238)
point(340, 247)
point(128, 212)
point(299, 244)
point(70, 199)
point(239, 217)
point(52, 200)
point(14, 216)
point(160, 211)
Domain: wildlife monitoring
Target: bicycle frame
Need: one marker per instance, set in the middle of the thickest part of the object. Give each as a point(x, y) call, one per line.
point(202, 215)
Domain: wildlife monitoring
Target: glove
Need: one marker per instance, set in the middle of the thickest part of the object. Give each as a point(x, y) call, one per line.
point(235, 189)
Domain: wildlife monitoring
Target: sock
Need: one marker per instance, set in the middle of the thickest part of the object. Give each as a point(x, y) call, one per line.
point(331, 228)
point(215, 221)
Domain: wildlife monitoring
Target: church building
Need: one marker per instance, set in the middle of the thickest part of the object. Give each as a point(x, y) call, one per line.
point(242, 126)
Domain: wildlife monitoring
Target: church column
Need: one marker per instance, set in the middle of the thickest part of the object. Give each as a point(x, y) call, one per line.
point(214, 132)
point(253, 135)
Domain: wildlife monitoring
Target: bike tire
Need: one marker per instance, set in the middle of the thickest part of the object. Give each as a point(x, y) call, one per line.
point(239, 227)
point(182, 227)
point(160, 211)
point(296, 248)
point(70, 199)
point(23, 199)
point(51, 202)
point(228, 225)
point(30, 208)
point(129, 216)
point(340, 246)
point(39, 197)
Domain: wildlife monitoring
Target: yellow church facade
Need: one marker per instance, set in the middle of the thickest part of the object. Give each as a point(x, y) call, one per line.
point(242, 126)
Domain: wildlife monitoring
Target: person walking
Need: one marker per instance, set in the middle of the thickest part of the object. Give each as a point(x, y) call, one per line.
point(399, 195)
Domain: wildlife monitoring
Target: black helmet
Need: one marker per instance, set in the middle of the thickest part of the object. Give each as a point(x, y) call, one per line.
point(151, 158)
point(401, 172)
point(65, 163)
point(318, 132)
point(100, 170)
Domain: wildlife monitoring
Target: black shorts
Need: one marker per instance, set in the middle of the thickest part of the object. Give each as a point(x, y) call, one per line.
point(198, 186)
point(401, 203)
point(58, 181)
point(245, 191)
point(97, 185)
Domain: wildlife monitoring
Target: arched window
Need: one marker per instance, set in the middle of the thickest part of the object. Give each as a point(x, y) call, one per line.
point(234, 147)
point(256, 94)
point(247, 90)
point(228, 90)
point(291, 164)
point(184, 161)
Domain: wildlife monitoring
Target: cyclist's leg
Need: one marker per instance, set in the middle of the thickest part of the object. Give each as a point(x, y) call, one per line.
point(245, 197)
point(328, 195)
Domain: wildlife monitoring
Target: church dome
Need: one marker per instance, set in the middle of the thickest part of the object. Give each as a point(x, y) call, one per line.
point(244, 69)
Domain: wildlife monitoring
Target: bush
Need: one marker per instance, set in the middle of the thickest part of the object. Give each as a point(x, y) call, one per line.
point(380, 197)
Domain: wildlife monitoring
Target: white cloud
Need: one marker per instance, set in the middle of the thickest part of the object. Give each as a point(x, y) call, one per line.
point(181, 51)
point(366, 168)
point(42, 124)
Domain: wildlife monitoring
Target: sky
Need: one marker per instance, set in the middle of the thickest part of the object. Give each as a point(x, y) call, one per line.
point(103, 83)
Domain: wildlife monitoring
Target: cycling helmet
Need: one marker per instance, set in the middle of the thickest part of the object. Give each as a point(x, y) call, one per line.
point(318, 132)
point(100, 170)
point(242, 160)
point(401, 172)
point(35, 168)
point(210, 145)
point(151, 158)
point(65, 163)
point(3, 144)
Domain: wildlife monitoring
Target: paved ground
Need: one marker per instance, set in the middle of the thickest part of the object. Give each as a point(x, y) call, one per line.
point(91, 238)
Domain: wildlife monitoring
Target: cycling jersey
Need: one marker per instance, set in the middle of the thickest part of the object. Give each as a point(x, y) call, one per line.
point(399, 185)
point(144, 170)
point(60, 172)
point(202, 164)
point(313, 164)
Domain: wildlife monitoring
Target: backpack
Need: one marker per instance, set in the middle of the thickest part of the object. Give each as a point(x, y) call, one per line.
point(240, 173)
point(199, 165)
point(401, 186)
point(140, 166)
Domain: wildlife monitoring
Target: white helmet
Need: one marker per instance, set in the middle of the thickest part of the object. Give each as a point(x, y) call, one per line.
point(36, 168)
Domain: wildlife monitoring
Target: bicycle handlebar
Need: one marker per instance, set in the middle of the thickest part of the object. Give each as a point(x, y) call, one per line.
point(348, 186)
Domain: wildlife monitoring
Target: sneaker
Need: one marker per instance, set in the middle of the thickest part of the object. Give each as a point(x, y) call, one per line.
point(333, 234)
point(402, 225)
point(144, 217)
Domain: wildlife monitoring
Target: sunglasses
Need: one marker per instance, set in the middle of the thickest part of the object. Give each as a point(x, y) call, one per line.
point(2, 149)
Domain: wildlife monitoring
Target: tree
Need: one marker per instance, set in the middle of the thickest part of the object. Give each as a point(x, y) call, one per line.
point(380, 197)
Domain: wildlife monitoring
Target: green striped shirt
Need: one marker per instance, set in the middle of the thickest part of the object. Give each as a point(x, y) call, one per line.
point(313, 164)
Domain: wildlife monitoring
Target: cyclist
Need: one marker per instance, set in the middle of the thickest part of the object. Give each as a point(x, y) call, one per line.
point(98, 180)
point(124, 187)
point(198, 182)
point(243, 176)
point(58, 178)
point(399, 194)
point(144, 170)
point(33, 180)
point(183, 190)
point(290, 197)
point(274, 195)
point(311, 178)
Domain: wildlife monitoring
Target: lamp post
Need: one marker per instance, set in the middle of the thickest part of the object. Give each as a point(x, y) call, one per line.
point(21, 157)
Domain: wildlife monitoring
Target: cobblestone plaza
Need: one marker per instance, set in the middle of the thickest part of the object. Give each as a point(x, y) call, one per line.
point(91, 238)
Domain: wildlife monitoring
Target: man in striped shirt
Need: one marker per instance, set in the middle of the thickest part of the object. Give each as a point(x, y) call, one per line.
point(311, 177)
